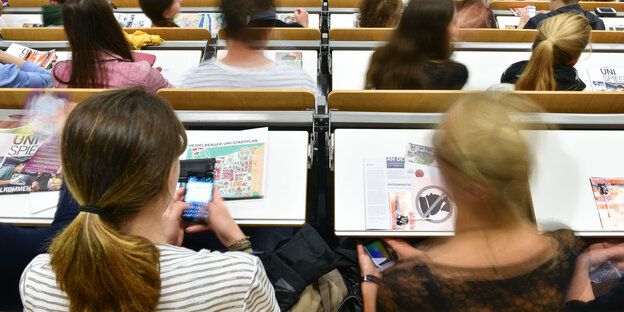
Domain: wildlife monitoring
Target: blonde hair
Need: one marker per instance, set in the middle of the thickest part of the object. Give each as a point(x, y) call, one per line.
point(478, 140)
point(117, 149)
point(560, 39)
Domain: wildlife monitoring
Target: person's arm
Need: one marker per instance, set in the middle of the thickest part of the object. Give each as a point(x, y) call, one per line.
point(524, 18)
point(369, 288)
point(16, 73)
point(301, 16)
point(580, 286)
point(155, 80)
point(220, 222)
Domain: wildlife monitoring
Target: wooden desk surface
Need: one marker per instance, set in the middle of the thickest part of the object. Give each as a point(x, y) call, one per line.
point(467, 35)
point(585, 102)
point(14, 98)
point(545, 5)
point(58, 33)
point(413, 101)
point(239, 99)
point(281, 33)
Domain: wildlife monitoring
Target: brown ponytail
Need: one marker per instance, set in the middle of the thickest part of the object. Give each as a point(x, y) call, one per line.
point(560, 39)
point(117, 149)
point(379, 13)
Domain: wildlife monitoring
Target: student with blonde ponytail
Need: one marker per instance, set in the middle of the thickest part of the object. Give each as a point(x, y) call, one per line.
point(557, 47)
point(119, 153)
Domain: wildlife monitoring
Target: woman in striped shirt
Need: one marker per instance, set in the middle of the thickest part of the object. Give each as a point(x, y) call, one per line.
point(119, 153)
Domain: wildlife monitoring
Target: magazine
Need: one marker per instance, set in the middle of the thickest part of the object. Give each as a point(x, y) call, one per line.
point(397, 201)
point(210, 21)
point(294, 59)
point(609, 196)
point(43, 59)
point(133, 20)
point(29, 154)
point(606, 78)
point(240, 170)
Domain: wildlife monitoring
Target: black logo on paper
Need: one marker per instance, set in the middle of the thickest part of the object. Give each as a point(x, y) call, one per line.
point(434, 204)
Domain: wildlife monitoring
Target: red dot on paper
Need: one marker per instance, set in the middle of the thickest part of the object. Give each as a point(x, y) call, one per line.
point(419, 173)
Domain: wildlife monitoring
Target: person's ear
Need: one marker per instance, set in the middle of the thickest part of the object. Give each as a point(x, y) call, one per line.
point(574, 61)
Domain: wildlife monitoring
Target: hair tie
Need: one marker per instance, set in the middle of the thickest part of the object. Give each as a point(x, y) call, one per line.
point(90, 209)
point(551, 40)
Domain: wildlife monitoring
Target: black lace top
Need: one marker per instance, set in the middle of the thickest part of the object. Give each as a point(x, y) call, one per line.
point(420, 285)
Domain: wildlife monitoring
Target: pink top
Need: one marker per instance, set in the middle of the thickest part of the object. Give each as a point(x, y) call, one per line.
point(120, 74)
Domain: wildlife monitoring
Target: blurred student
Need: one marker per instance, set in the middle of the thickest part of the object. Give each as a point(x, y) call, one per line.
point(17, 73)
point(161, 12)
point(419, 51)
point(557, 47)
point(121, 252)
point(245, 66)
point(101, 56)
point(380, 13)
point(497, 260)
point(23, 244)
point(52, 13)
point(564, 6)
point(265, 10)
point(580, 296)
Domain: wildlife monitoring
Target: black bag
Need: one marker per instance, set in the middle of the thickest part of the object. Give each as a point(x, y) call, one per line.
point(349, 268)
point(287, 283)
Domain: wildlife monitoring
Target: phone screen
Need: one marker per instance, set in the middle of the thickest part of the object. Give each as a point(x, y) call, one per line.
point(198, 195)
point(380, 256)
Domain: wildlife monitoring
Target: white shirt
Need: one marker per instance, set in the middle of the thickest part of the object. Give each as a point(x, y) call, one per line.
point(214, 74)
point(190, 281)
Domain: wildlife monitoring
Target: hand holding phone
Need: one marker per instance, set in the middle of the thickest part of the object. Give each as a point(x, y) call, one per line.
point(198, 196)
point(379, 254)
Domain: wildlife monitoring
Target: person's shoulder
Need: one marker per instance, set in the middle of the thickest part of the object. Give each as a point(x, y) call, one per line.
point(39, 266)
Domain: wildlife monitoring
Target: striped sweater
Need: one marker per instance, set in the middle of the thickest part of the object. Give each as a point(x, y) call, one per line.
point(191, 281)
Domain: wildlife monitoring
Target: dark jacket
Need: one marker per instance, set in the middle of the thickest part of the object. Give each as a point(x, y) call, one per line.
point(611, 301)
point(595, 22)
point(52, 15)
point(22, 244)
point(566, 76)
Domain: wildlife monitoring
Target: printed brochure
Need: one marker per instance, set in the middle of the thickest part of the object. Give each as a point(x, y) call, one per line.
point(609, 196)
point(240, 170)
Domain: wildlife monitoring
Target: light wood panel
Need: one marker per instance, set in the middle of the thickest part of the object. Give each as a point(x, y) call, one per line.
point(585, 102)
point(14, 98)
point(58, 34)
point(413, 101)
point(467, 35)
point(217, 3)
point(281, 33)
point(239, 99)
point(545, 5)
point(344, 3)
point(360, 34)
point(27, 3)
point(185, 3)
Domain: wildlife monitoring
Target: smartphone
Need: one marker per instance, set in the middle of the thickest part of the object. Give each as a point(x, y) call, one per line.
point(605, 12)
point(198, 195)
point(379, 254)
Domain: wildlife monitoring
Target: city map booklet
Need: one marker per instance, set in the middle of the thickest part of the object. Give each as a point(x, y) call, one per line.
point(407, 193)
point(240, 170)
point(609, 196)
